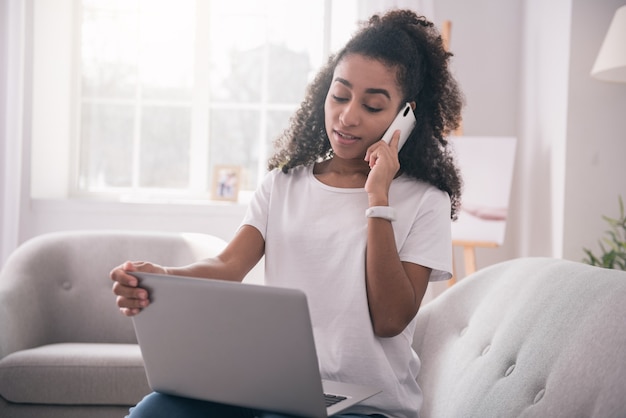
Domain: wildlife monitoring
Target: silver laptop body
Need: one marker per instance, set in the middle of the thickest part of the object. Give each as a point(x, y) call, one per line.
point(240, 344)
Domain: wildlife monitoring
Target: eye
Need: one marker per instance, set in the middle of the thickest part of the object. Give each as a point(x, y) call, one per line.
point(339, 99)
point(371, 109)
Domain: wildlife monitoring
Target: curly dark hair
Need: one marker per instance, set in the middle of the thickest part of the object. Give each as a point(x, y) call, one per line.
point(414, 47)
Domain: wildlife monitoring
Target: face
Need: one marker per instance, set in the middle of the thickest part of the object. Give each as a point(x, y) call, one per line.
point(362, 101)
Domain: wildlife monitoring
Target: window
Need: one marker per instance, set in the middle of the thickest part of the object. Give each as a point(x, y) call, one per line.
point(169, 89)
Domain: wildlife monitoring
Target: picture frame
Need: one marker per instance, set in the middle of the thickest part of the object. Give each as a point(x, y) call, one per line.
point(226, 182)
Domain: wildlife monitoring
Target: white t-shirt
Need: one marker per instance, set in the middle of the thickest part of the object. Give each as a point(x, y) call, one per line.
point(315, 238)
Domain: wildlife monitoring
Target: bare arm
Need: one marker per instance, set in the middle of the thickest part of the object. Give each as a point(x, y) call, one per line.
point(242, 253)
point(394, 289)
point(233, 263)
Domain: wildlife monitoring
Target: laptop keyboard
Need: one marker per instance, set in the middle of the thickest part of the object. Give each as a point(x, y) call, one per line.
point(333, 399)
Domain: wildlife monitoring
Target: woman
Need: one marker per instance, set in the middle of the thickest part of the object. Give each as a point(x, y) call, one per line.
point(358, 225)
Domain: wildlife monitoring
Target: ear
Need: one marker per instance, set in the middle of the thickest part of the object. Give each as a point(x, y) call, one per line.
point(412, 105)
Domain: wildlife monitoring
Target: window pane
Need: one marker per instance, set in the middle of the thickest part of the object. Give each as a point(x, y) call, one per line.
point(166, 58)
point(111, 4)
point(164, 151)
point(124, 44)
point(288, 75)
point(277, 122)
point(235, 135)
point(236, 57)
point(107, 146)
point(108, 51)
point(272, 59)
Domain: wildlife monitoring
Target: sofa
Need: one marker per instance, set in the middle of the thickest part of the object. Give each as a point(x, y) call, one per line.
point(531, 337)
point(65, 349)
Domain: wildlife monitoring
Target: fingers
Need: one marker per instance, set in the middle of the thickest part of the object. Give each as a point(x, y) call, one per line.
point(381, 149)
point(384, 165)
point(120, 275)
point(129, 312)
point(130, 297)
point(395, 140)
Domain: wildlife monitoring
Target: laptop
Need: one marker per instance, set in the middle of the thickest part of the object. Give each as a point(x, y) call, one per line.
point(240, 344)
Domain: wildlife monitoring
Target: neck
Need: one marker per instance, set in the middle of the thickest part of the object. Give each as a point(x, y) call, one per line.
point(340, 166)
point(342, 173)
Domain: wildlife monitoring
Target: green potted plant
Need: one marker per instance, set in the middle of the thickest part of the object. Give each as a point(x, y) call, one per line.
point(613, 245)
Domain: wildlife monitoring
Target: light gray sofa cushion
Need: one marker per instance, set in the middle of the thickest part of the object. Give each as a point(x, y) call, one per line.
point(531, 337)
point(74, 373)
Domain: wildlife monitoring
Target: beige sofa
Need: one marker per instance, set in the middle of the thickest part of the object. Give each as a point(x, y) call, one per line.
point(65, 350)
point(531, 337)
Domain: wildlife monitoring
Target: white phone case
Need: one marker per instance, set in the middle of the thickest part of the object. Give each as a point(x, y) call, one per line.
point(405, 122)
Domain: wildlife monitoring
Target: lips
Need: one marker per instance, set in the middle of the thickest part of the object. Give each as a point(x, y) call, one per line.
point(345, 138)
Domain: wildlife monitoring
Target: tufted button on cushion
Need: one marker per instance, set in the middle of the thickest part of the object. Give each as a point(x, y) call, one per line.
point(539, 396)
point(486, 350)
point(509, 370)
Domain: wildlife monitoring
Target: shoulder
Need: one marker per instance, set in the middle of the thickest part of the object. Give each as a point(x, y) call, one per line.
point(419, 197)
point(277, 178)
point(278, 174)
point(410, 186)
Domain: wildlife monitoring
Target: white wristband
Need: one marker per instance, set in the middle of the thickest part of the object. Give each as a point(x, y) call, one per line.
point(385, 212)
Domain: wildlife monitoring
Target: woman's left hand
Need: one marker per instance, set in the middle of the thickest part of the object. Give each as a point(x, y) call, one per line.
point(384, 165)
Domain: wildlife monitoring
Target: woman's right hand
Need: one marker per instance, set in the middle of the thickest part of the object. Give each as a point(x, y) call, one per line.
point(131, 298)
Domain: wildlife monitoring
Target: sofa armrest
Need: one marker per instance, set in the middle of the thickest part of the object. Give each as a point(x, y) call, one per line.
point(56, 288)
point(527, 337)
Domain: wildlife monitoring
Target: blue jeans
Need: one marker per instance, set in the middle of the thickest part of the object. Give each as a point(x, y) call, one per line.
point(156, 405)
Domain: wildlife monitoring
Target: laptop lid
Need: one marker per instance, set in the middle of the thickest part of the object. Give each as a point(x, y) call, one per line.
point(234, 343)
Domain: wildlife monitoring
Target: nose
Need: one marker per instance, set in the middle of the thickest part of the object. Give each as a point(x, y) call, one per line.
point(349, 115)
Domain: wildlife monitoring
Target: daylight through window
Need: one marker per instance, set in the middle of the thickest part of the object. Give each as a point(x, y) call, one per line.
point(170, 89)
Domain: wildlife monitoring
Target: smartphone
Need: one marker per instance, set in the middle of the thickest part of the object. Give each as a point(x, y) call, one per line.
point(405, 122)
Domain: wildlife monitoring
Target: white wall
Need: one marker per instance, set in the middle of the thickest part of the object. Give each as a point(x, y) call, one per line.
point(4, 52)
point(596, 138)
point(537, 231)
point(14, 71)
point(486, 41)
point(52, 134)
